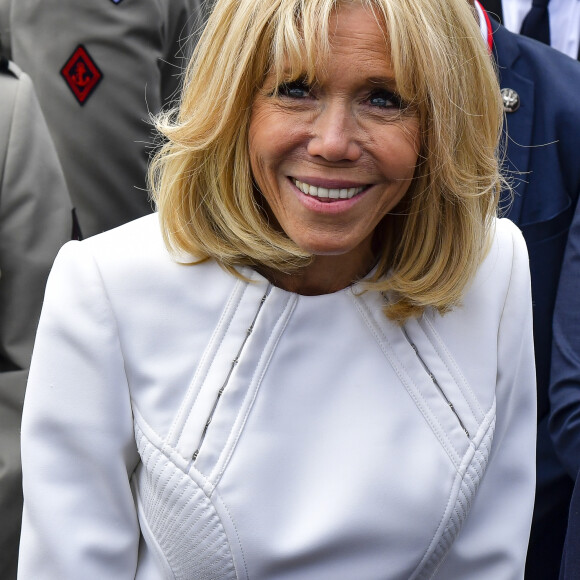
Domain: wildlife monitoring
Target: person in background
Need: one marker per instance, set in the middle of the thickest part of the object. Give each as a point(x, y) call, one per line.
point(316, 361)
point(100, 70)
point(35, 221)
point(565, 387)
point(542, 121)
point(553, 22)
point(570, 569)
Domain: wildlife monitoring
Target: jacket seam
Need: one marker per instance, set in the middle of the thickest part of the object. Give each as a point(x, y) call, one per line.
point(209, 355)
point(440, 348)
point(422, 405)
point(257, 382)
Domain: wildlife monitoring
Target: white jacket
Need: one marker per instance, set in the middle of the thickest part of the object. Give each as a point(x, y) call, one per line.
point(183, 424)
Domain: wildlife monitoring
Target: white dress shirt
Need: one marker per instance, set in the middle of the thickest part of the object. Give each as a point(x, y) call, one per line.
point(564, 22)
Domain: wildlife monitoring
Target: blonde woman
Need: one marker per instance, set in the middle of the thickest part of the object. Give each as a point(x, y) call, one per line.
point(316, 361)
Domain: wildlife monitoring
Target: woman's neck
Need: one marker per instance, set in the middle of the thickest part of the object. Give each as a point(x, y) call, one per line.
point(324, 275)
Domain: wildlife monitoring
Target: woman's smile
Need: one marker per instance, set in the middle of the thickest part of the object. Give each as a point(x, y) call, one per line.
point(331, 159)
point(328, 193)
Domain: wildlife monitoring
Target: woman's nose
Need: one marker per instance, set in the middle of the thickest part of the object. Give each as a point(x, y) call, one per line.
point(334, 134)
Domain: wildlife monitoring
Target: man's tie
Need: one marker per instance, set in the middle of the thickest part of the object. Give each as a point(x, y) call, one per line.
point(536, 24)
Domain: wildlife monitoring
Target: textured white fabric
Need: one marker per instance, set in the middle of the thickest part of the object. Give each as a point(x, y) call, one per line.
point(338, 445)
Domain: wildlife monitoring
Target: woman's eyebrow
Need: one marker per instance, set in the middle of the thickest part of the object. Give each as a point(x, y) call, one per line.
point(385, 81)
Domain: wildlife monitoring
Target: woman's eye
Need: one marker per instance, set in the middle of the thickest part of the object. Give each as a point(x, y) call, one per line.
point(385, 99)
point(294, 90)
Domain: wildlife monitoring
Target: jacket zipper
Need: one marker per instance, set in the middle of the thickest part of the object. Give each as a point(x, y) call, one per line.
point(436, 383)
point(232, 366)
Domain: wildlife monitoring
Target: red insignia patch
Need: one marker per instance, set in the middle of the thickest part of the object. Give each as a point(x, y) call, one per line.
point(81, 74)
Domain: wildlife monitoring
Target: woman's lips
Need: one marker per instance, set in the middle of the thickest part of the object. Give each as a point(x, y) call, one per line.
point(328, 193)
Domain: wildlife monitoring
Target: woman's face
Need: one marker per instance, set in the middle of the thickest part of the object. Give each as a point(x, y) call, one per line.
point(331, 160)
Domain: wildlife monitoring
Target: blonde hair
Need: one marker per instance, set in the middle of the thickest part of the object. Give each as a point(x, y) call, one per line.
point(434, 240)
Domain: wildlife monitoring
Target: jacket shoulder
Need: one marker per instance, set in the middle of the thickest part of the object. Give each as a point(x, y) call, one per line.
point(142, 233)
point(534, 60)
point(132, 260)
point(507, 248)
point(127, 250)
point(505, 261)
point(506, 234)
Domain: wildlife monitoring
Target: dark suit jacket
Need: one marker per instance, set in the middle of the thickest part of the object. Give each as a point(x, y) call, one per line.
point(571, 559)
point(543, 156)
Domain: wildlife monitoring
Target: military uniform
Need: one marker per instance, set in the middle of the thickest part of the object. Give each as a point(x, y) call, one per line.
point(35, 220)
point(100, 69)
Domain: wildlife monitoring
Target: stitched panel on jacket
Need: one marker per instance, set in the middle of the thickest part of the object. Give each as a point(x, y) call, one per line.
point(462, 505)
point(183, 520)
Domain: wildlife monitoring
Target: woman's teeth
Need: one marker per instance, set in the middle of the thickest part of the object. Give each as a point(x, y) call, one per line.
point(324, 192)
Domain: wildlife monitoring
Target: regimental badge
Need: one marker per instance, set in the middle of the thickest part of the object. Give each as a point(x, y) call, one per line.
point(81, 74)
point(511, 100)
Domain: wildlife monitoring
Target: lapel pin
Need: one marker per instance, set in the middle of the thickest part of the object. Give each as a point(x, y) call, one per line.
point(511, 100)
